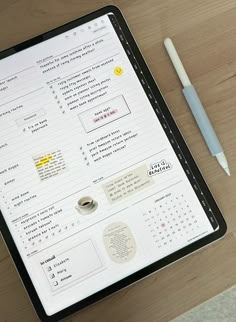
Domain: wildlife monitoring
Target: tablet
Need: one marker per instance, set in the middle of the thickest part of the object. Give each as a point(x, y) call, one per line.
point(97, 186)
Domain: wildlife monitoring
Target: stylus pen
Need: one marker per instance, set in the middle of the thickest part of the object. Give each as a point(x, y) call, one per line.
point(197, 109)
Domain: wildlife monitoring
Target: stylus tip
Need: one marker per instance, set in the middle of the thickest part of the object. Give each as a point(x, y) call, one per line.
point(227, 171)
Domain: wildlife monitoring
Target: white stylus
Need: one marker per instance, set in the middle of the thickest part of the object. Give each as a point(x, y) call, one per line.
point(197, 109)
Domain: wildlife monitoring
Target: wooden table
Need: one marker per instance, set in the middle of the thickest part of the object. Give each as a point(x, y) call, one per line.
point(204, 32)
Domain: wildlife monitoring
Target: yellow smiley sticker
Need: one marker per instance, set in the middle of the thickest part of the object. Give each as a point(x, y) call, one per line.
point(118, 71)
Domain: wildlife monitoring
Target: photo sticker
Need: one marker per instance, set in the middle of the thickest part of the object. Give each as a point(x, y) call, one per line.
point(86, 205)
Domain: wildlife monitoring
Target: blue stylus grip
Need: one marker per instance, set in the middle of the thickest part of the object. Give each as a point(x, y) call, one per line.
point(202, 120)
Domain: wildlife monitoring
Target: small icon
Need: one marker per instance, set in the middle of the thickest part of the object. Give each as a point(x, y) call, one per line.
point(118, 71)
point(52, 276)
point(49, 268)
point(86, 205)
point(55, 283)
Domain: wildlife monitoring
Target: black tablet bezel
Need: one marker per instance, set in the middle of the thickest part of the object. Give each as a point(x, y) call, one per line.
point(160, 263)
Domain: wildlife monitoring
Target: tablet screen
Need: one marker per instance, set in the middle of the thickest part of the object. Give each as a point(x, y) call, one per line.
point(93, 185)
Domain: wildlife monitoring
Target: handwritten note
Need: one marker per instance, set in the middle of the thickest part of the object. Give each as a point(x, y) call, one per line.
point(127, 184)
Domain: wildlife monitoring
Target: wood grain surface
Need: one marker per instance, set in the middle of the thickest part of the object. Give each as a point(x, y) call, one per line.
point(204, 32)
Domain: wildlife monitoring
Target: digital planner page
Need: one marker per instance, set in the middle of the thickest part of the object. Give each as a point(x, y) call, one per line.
point(90, 186)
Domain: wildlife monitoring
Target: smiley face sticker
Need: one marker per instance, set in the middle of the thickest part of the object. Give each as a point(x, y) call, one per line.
point(118, 71)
